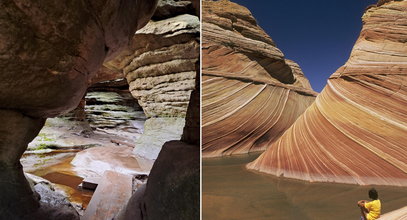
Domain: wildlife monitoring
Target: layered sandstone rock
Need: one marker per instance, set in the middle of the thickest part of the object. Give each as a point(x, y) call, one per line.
point(48, 52)
point(251, 93)
point(172, 191)
point(398, 214)
point(355, 132)
point(160, 64)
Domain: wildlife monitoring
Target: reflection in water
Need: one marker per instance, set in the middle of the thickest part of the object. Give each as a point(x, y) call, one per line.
point(232, 192)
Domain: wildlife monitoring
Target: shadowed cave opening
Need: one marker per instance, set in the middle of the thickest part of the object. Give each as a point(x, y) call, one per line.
point(107, 118)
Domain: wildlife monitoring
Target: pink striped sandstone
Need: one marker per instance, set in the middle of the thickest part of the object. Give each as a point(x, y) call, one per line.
point(356, 131)
point(251, 93)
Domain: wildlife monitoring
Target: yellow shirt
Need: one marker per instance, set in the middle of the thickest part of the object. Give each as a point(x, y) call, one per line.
point(374, 209)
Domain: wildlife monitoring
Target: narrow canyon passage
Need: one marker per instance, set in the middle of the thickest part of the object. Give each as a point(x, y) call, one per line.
point(110, 121)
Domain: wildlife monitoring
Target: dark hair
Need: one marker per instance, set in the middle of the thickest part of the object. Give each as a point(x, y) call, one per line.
point(373, 194)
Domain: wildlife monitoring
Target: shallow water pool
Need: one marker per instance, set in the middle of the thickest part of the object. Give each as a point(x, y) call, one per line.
point(232, 192)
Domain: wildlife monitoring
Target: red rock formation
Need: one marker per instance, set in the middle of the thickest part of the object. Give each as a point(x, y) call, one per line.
point(48, 52)
point(251, 94)
point(356, 131)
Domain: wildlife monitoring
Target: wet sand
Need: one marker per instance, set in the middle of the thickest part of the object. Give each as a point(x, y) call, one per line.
point(232, 192)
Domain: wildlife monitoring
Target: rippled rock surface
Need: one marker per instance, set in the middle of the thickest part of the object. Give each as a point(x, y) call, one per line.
point(251, 93)
point(355, 132)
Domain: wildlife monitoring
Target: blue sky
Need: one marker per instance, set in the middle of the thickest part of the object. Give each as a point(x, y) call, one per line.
point(317, 34)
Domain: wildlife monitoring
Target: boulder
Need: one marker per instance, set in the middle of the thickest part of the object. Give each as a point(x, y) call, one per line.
point(172, 190)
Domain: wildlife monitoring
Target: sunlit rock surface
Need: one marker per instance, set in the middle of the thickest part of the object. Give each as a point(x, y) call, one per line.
point(160, 64)
point(157, 131)
point(172, 190)
point(95, 161)
point(398, 214)
point(356, 131)
point(251, 93)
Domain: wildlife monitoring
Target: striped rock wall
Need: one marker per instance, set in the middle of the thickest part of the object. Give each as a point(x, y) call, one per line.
point(356, 131)
point(251, 93)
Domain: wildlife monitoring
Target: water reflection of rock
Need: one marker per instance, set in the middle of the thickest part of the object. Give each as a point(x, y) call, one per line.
point(232, 192)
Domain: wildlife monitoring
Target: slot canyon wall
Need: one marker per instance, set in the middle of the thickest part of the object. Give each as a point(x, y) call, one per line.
point(355, 131)
point(173, 188)
point(48, 52)
point(159, 66)
point(251, 93)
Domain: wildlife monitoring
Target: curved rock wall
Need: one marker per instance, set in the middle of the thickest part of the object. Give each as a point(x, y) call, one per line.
point(50, 49)
point(48, 53)
point(172, 191)
point(251, 93)
point(355, 132)
point(160, 64)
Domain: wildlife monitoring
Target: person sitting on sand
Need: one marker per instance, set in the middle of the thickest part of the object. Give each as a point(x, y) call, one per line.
point(370, 210)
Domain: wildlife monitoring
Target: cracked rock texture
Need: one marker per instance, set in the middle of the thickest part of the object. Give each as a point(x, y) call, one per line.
point(355, 131)
point(251, 93)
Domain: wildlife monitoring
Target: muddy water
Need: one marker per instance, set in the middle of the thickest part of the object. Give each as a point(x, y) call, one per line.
point(65, 178)
point(231, 192)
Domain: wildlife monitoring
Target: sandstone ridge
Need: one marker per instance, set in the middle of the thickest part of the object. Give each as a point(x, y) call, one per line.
point(251, 93)
point(355, 132)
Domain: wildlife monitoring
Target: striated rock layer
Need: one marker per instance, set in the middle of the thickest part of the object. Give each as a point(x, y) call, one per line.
point(160, 64)
point(251, 93)
point(172, 191)
point(356, 131)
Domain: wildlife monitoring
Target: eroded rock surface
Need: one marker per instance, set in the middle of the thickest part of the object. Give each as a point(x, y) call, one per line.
point(160, 68)
point(49, 51)
point(160, 65)
point(251, 93)
point(355, 132)
point(16, 131)
point(172, 190)
point(157, 131)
